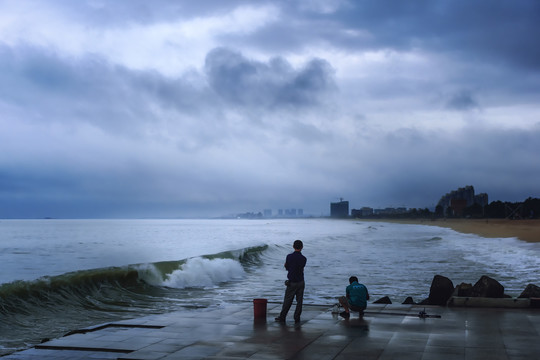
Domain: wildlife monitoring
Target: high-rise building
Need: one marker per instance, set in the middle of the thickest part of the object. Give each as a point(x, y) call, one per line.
point(339, 209)
point(464, 197)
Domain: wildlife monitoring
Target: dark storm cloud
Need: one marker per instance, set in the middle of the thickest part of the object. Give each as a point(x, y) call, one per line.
point(121, 101)
point(247, 82)
point(46, 82)
point(494, 31)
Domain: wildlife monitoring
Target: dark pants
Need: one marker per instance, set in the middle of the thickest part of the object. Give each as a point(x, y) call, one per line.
point(294, 289)
point(348, 306)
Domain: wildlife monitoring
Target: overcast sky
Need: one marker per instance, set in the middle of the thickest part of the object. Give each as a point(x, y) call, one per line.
point(170, 108)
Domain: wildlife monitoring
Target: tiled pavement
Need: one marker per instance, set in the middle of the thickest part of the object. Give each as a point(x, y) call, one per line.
point(230, 332)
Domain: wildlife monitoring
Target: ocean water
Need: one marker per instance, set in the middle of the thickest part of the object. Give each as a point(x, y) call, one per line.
point(61, 275)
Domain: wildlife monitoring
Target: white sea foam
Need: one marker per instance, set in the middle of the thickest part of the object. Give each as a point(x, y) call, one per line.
point(150, 274)
point(201, 272)
point(505, 257)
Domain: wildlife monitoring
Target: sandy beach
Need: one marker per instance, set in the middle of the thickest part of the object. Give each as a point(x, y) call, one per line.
point(526, 230)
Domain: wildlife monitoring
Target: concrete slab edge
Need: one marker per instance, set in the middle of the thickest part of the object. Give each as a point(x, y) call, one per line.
point(514, 303)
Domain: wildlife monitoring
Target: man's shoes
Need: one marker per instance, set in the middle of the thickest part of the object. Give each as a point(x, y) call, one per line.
point(280, 319)
point(345, 314)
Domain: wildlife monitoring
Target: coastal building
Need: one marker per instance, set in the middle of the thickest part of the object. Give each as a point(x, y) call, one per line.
point(390, 211)
point(458, 206)
point(363, 212)
point(458, 200)
point(339, 209)
point(465, 193)
point(481, 199)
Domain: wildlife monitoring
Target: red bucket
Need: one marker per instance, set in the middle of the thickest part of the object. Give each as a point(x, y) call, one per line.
point(259, 308)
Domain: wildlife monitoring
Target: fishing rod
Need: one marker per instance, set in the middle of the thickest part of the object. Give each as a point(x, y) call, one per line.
point(422, 314)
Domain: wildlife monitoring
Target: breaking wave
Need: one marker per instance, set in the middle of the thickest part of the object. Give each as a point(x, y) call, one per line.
point(86, 297)
point(84, 286)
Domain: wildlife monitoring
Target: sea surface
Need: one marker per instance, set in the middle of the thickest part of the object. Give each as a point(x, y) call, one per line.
point(61, 275)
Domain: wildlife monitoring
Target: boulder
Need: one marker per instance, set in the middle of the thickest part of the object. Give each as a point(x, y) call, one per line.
point(440, 291)
point(531, 291)
point(464, 290)
point(383, 300)
point(408, 301)
point(487, 287)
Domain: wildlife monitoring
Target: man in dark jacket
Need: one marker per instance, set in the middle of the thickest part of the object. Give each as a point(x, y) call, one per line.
point(294, 263)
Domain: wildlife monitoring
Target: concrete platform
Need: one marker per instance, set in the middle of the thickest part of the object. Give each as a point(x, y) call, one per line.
point(230, 332)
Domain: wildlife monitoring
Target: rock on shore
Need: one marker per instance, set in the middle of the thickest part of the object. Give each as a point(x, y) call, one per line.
point(531, 291)
point(442, 289)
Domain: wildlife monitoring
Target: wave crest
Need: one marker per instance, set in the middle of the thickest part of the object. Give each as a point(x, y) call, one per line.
point(202, 272)
point(119, 285)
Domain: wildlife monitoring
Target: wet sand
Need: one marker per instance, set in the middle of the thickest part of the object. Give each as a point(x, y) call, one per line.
point(526, 230)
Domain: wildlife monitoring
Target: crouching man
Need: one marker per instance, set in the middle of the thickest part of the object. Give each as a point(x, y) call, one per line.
point(356, 298)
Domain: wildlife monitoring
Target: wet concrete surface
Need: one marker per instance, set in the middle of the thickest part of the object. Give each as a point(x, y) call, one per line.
point(231, 332)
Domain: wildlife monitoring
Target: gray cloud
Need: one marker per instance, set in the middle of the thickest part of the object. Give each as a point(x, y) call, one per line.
point(462, 101)
point(126, 13)
point(250, 83)
point(498, 31)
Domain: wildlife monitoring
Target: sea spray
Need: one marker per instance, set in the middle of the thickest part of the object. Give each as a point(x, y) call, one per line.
point(201, 272)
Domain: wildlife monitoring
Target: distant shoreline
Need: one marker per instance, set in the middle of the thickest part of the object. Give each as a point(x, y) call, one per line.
point(526, 230)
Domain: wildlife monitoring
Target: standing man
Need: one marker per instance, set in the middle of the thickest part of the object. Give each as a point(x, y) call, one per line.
point(294, 264)
point(356, 298)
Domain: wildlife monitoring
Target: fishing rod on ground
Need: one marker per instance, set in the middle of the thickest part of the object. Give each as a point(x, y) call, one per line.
point(422, 314)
